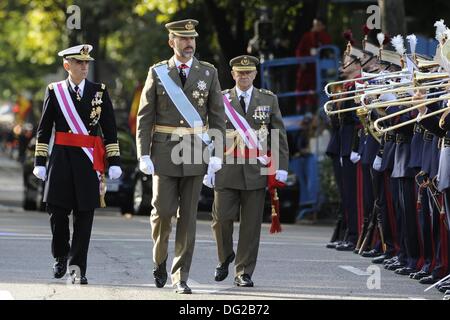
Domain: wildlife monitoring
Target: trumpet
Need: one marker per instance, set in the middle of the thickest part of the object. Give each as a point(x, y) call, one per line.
point(396, 74)
point(411, 121)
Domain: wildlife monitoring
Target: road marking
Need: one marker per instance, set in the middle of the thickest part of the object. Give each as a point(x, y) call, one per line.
point(356, 271)
point(47, 237)
point(6, 295)
point(8, 234)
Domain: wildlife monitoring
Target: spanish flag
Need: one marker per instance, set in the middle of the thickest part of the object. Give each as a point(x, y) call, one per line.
point(22, 108)
point(132, 117)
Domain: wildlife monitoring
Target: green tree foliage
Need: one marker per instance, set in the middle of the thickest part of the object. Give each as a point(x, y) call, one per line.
point(30, 34)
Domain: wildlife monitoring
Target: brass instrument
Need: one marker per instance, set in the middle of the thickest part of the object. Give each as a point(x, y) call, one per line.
point(363, 115)
point(420, 77)
point(411, 121)
point(423, 64)
point(396, 74)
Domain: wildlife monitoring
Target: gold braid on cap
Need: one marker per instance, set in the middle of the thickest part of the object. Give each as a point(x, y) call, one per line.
point(84, 51)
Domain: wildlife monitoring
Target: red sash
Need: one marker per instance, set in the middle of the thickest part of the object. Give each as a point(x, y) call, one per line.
point(81, 140)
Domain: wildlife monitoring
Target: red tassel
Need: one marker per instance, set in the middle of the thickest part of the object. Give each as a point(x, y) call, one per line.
point(276, 225)
point(273, 184)
point(365, 29)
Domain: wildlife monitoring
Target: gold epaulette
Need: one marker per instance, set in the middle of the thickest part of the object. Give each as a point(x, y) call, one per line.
point(112, 150)
point(266, 92)
point(50, 86)
point(41, 150)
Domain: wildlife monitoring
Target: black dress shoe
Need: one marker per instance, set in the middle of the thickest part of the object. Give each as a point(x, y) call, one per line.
point(222, 268)
point(443, 283)
point(182, 288)
point(78, 280)
point(345, 246)
point(390, 260)
point(243, 280)
point(160, 274)
point(446, 295)
point(444, 288)
point(381, 259)
point(429, 280)
point(332, 245)
point(405, 271)
point(371, 254)
point(394, 266)
point(83, 280)
point(419, 275)
point(60, 267)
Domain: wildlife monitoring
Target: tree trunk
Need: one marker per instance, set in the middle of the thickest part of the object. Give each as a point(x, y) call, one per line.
point(392, 16)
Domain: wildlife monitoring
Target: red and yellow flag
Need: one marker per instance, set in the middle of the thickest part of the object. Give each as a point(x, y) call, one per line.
point(132, 117)
point(21, 109)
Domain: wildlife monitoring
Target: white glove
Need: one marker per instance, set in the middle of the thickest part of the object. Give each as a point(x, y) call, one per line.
point(264, 160)
point(40, 172)
point(215, 164)
point(209, 180)
point(341, 161)
point(354, 157)
point(146, 165)
point(281, 175)
point(377, 163)
point(114, 172)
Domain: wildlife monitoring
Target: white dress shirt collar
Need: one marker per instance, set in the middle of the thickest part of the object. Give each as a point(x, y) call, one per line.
point(80, 86)
point(189, 64)
point(248, 96)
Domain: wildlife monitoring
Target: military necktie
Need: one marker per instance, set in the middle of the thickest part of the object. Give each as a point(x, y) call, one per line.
point(242, 102)
point(183, 73)
point(78, 92)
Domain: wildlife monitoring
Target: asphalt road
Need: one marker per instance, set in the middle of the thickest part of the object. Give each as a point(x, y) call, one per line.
point(293, 264)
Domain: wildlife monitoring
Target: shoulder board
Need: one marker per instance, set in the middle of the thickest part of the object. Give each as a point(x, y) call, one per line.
point(50, 86)
point(160, 63)
point(206, 64)
point(103, 86)
point(266, 91)
point(226, 91)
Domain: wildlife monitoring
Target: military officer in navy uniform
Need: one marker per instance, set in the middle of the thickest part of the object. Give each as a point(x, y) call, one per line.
point(77, 108)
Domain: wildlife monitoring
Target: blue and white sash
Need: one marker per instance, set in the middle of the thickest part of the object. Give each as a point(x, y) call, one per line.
point(181, 102)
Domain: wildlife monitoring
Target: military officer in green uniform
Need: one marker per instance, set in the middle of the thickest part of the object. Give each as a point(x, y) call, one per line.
point(240, 186)
point(176, 91)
